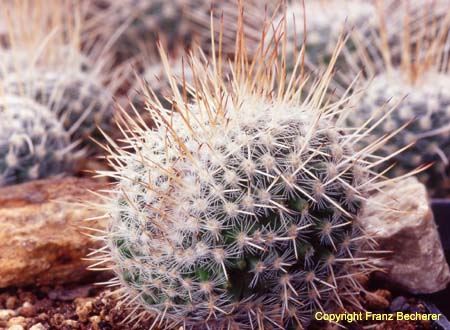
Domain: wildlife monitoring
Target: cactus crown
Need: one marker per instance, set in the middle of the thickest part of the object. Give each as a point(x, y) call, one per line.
point(239, 210)
point(415, 77)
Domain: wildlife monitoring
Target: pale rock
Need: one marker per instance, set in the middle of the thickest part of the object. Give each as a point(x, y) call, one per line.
point(41, 239)
point(402, 222)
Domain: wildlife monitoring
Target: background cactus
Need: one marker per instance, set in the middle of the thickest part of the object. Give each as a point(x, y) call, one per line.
point(140, 23)
point(33, 143)
point(418, 74)
point(239, 210)
point(325, 21)
point(51, 68)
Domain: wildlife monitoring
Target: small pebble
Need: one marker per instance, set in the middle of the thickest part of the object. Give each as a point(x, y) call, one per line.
point(18, 320)
point(83, 308)
point(377, 300)
point(70, 323)
point(16, 327)
point(11, 302)
point(6, 314)
point(27, 309)
point(95, 320)
point(397, 304)
point(38, 326)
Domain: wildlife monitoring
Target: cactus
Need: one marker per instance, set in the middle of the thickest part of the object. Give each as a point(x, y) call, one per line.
point(81, 102)
point(418, 74)
point(33, 143)
point(240, 209)
point(49, 66)
point(323, 21)
point(140, 23)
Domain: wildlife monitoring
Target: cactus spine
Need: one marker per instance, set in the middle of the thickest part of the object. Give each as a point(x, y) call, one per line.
point(240, 209)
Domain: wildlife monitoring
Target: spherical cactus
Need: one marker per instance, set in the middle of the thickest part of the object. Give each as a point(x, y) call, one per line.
point(416, 75)
point(240, 209)
point(33, 143)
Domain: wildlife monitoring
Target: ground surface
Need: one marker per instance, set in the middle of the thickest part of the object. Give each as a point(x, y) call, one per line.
point(92, 307)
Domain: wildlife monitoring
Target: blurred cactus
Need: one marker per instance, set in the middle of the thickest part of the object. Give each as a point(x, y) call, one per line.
point(324, 22)
point(33, 143)
point(48, 65)
point(418, 74)
point(138, 23)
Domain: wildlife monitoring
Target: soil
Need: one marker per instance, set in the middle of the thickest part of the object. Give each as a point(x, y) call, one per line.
point(92, 307)
point(69, 308)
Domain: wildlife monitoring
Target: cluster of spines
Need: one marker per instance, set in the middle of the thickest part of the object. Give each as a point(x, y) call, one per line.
point(239, 210)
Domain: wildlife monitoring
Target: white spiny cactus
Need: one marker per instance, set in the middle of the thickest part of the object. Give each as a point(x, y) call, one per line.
point(239, 210)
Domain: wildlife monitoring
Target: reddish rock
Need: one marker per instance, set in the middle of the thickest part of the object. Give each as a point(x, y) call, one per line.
point(41, 240)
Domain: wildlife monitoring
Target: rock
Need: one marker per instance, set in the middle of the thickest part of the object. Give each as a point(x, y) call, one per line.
point(402, 222)
point(398, 304)
point(40, 237)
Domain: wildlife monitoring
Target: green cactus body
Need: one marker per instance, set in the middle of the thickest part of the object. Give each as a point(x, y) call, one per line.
point(33, 143)
point(427, 103)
